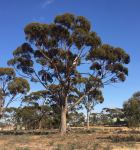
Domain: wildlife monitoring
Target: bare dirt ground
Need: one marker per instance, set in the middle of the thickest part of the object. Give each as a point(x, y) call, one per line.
point(98, 138)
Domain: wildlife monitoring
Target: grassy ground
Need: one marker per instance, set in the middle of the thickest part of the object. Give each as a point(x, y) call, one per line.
point(98, 138)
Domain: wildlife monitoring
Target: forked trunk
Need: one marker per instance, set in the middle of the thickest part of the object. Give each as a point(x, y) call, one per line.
point(63, 126)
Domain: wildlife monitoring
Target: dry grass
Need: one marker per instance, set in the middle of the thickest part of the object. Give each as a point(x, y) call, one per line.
point(98, 138)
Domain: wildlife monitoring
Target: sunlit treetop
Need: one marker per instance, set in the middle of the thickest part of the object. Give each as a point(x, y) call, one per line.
point(19, 85)
point(8, 73)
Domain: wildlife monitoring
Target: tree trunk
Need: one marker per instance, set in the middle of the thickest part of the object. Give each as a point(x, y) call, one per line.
point(40, 124)
point(88, 120)
point(63, 126)
point(1, 108)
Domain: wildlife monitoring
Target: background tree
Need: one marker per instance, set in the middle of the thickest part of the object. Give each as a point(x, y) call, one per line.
point(44, 101)
point(114, 115)
point(34, 117)
point(95, 118)
point(30, 117)
point(132, 110)
point(76, 119)
point(60, 49)
point(93, 98)
point(11, 88)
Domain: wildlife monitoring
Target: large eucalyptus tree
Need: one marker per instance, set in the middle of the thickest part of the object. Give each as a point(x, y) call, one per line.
point(61, 55)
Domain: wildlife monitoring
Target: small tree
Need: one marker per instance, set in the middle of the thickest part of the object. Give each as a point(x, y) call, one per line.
point(132, 110)
point(60, 49)
point(44, 105)
point(11, 88)
point(30, 117)
point(76, 119)
point(93, 98)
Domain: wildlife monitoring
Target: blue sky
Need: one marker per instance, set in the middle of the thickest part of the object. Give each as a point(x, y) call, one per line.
point(116, 21)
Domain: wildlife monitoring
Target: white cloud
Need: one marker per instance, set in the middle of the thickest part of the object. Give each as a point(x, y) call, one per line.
point(47, 2)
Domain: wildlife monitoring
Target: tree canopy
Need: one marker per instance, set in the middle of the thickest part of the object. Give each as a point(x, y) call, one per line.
point(54, 54)
point(11, 88)
point(132, 110)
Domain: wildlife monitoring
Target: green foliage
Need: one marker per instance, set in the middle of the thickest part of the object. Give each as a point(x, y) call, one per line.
point(76, 119)
point(113, 116)
point(107, 60)
point(35, 117)
point(11, 87)
point(57, 58)
point(18, 85)
point(8, 73)
point(45, 110)
point(54, 53)
point(132, 110)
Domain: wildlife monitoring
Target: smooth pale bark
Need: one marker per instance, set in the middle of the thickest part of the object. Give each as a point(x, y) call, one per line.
point(88, 120)
point(63, 126)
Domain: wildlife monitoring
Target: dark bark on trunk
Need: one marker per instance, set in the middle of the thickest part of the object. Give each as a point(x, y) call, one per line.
point(1, 108)
point(40, 124)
